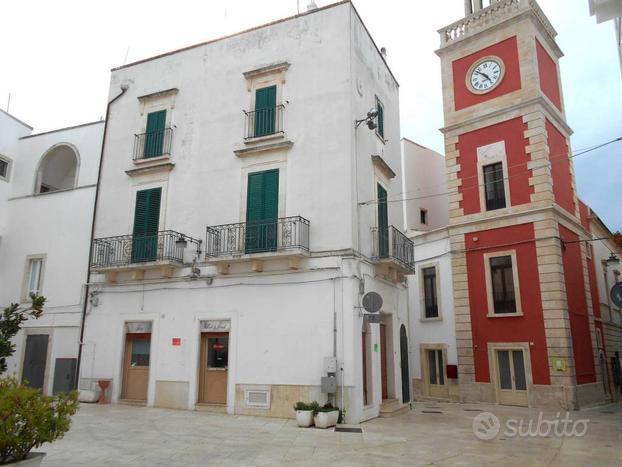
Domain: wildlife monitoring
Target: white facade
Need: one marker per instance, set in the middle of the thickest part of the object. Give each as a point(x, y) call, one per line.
point(285, 311)
point(424, 196)
point(53, 230)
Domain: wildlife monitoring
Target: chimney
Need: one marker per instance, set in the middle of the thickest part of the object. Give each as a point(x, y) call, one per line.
point(311, 6)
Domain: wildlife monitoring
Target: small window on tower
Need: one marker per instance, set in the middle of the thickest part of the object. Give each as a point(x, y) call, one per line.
point(423, 216)
point(494, 188)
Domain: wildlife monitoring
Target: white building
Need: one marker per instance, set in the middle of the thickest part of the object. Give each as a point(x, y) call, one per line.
point(606, 10)
point(245, 149)
point(46, 206)
point(424, 190)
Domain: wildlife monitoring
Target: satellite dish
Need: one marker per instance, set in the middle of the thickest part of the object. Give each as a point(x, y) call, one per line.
point(372, 302)
point(616, 294)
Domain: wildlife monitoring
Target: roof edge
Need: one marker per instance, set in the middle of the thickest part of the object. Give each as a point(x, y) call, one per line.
point(16, 119)
point(62, 129)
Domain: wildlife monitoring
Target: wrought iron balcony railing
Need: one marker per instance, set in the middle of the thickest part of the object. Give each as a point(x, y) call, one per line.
point(125, 250)
point(263, 122)
point(287, 233)
point(153, 144)
point(390, 243)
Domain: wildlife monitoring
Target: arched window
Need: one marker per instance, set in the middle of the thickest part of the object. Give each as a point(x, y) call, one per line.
point(58, 169)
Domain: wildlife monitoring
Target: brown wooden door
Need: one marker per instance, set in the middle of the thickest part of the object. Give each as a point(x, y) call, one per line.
point(511, 377)
point(383, 360)
point(214, 367)
point(136, 366)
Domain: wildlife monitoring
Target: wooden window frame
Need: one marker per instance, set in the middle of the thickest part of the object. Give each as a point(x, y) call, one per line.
point(26, 279)
point(489, 290)
point(487, 155)
point(9, 165)
point(423, 316)
point(381, 136)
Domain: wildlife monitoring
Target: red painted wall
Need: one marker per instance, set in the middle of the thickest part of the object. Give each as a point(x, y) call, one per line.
point(507, 51)
point(560, 168)
point(577, 307)
point(585, 222)
point(526, 328)
point(547, 69)
point(510, 131)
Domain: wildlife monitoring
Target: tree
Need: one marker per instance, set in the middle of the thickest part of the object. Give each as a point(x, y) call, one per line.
point(11, 322)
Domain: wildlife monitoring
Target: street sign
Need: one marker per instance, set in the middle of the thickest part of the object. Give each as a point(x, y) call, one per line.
point(372, 302)
point(616, 294)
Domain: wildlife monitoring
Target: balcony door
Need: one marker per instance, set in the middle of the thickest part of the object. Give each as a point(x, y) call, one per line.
point(383, 223)
point(146, 224)
point(265, 108)
point(262, 208)
point(154, 136)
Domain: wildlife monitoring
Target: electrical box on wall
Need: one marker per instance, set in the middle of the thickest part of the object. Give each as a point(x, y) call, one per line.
point(329, 384)
point(330, 365)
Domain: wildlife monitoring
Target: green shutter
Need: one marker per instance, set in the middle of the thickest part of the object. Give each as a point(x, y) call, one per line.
point(146, 225)
point(265, 108)
point(383, 223)
point(154, 137)
point(380, 117)
point(262, 207)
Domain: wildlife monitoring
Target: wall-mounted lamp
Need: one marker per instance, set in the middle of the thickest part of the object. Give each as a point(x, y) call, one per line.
point(182, 243)
point(369, 120)
point(612, 260)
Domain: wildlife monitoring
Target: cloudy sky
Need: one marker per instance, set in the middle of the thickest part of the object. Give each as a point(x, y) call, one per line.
point(56, 57)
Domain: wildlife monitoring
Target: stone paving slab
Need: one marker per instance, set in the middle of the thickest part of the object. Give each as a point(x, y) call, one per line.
point(137, 436)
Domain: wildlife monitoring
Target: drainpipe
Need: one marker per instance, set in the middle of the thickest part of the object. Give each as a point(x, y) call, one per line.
point(124, 88)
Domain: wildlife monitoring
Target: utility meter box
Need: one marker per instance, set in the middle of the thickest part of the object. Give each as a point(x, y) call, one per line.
point(330, 365)
point(329, 384)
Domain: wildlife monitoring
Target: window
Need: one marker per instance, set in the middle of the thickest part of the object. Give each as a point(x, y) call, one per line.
point(262, 211)
point(34, 276)
point(502, 281)
point(265, 111)
point(154, 136)
point(423, 216)
point(383, 222)
point(429, 292)
point(58, 170)
point(4, 168)
point(436, 371)
point(146, 225)
point(380, 119)
point(494, 186)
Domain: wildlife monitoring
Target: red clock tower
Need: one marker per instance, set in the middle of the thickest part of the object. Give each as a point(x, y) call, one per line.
point(525, 329)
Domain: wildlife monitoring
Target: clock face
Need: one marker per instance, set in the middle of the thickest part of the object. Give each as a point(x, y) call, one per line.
point(485, 75)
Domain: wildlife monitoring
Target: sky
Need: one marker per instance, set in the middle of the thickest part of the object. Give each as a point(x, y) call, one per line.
point(57, 55)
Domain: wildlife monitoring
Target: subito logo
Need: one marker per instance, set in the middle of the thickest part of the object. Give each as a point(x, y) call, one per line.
point(486, 426)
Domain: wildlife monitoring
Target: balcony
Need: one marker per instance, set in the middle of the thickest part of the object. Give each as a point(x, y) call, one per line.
point(393, 251)
point(155, 144)
point(287, 237)
point(263, 123)
point(163, 250)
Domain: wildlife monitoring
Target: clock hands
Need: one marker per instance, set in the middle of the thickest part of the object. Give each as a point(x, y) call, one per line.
point(484, 75)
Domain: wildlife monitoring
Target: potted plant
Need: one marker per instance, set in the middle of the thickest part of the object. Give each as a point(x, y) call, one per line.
point(305, 412)
point(30, 419)
point(326, 416)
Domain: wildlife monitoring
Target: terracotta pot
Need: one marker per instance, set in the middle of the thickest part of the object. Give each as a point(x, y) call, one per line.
point(618, 239)
point(103, 385)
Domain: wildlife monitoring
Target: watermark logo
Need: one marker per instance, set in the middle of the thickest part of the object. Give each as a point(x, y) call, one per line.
point(486, 426)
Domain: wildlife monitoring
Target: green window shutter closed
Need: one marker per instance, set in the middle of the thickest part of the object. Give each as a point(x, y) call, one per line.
point(154, 137)
point(265, 108)
point(146, 225)
point(383, 222)
point(380, 117)
point(262, 207)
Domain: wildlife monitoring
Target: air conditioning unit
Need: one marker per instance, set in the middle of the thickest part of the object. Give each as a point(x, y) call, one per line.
point(257, 398)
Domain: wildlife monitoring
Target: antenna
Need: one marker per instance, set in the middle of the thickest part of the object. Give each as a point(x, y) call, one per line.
point(8, 104)
point(127, 52)
point(298, 6)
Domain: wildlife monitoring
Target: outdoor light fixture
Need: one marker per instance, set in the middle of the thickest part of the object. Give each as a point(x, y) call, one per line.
point(369, 120)
point(613, 259)
point(181, 242)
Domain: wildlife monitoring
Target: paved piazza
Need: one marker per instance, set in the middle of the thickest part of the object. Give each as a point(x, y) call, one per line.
point(430, 434)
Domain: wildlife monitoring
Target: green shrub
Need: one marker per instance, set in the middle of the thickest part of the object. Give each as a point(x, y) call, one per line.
point(328, 407)
point(28, 419)
point(306, 406)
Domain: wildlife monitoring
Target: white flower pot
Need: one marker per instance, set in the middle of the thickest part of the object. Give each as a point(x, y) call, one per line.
point(32, 460)
point(304, 418)
point(326, 419)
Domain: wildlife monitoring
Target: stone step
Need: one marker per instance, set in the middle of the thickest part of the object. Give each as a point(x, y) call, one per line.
point(392, 407)
point(133, 402)
point(214, 408)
